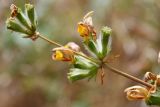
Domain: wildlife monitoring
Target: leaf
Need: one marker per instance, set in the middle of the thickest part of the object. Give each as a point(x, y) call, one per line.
point(82, 68)
point(13, 25)
point(154, 99)
point(31, 15)
point(77, 74)
point(22, 19)
point(91, 46)
point(106, 40)
point(83, 63)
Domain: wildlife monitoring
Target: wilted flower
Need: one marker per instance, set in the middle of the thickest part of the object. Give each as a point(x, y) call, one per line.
point(139, 92)
point(85, 27)
point(65, 53)
point(136, 93)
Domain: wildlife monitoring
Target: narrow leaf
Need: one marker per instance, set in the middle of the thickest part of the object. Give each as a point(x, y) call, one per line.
point(31, 15)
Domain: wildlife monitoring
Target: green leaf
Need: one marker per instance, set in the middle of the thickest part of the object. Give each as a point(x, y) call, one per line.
point(13, 25)
point(82, 68)
point(22, 19)
point(92, 47)
point(31, 15)
point(106, 40)
point(83, 63)
point(154, 99)
point(77, 74)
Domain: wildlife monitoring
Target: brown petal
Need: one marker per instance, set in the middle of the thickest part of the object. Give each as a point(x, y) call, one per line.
point(136, 92)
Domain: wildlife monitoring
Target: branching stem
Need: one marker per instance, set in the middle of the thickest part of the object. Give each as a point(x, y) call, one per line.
point(96, 61)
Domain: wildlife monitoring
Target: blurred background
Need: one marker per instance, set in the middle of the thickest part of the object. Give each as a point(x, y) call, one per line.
point(30, 78)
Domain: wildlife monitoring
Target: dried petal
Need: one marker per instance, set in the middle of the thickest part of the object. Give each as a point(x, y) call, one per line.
point(136, 92)
point(149, 77)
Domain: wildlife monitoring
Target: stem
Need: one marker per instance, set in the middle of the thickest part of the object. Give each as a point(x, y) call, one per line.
point(48, 40)
point(128, 76)
point(59, 45)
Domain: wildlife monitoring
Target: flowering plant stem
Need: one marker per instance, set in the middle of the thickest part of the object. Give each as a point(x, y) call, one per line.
point(128, 76)
point(94, 60)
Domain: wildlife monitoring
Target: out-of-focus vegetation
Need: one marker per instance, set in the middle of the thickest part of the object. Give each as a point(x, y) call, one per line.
point(29, 77)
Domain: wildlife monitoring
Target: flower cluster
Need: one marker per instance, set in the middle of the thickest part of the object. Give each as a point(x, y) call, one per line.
point(23, 23)
point(99, 46)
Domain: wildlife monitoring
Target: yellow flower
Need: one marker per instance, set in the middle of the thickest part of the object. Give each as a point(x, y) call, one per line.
point(58, 55)
point(136, 93)
point(65, 53)
point(83, 30)
point(85, 27)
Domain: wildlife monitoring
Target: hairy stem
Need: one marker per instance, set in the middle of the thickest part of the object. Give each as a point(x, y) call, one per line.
point(128, 76)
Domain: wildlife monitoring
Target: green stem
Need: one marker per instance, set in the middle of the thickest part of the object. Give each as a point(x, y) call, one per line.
point(128, 76)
